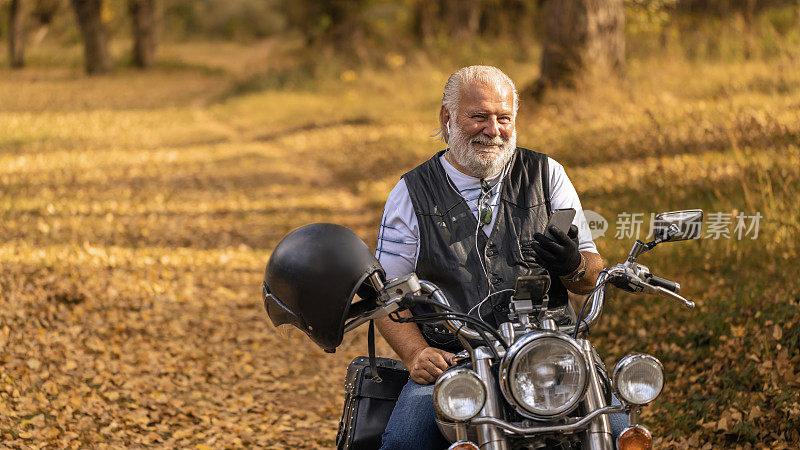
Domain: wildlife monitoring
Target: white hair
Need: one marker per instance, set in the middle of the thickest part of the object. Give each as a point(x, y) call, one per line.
point(471, 75)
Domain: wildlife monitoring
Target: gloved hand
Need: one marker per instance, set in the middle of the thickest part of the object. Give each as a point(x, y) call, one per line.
point(560, 256)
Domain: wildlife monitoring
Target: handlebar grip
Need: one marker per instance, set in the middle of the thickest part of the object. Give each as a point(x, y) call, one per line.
point(655, 280)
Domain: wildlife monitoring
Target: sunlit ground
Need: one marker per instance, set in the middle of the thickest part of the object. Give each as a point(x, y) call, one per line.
point(139, 210)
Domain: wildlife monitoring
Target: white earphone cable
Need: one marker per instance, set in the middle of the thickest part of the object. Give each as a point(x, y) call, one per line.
point(477, 230)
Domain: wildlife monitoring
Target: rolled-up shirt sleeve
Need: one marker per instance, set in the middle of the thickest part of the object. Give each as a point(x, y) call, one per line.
point(398, 234)
point(564, 196)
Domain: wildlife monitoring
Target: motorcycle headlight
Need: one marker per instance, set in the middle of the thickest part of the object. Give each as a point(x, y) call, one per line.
point(638, 378)
point(459, 395)
point(544, 374)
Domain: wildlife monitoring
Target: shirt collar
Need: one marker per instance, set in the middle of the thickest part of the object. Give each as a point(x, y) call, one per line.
point(464, 181)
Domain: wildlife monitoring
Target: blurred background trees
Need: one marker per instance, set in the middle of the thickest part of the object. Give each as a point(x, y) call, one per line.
point(16, 33)
point(571, 39)
point(95, 36)
point(145, 16)
point(582, 38)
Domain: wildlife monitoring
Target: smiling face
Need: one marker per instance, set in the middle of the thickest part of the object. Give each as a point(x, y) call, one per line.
point(482, 132)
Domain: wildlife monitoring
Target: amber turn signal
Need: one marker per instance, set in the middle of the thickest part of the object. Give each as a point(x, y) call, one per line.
point(635, 438)
point(463, 445)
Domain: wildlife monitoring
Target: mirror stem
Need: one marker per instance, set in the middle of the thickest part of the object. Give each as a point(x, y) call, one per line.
point(638, 248)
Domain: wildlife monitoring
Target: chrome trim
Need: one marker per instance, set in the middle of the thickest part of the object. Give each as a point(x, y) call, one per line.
point(461, 431)
point(633, 415)
point(549, 324)
point(462, 442)
point(639, 427)
point(377, 281)
point(598, 435)
point(566, 428)
point(504, 373)
point(458, 327)
point(624, 363)
point(453, 374)
point(506, 329)
point(398, 287)
point(489, 437)
point(597, 300)
point(638, 248)
point(666, 293)
point(383, 311)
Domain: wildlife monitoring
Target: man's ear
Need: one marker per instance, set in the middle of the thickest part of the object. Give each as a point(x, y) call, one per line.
point(444, 121)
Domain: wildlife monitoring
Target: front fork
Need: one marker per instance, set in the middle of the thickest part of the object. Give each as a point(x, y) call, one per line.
point(598, 435)
point(489, 436)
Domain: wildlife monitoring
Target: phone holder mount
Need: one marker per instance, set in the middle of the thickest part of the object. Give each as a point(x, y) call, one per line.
point(530, 299)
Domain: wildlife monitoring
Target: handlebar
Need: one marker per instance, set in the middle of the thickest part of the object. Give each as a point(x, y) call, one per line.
point(655, 280)
point(597, 298)
point(661, 292)
point(650, 284)
point(457, 327)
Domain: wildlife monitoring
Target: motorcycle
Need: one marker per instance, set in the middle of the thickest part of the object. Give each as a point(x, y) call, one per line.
point(536, 381)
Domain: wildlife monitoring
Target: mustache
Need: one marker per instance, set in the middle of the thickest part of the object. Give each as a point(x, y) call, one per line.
point(486, 140)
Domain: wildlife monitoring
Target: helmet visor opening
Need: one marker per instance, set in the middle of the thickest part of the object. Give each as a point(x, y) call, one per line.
point(278, 313)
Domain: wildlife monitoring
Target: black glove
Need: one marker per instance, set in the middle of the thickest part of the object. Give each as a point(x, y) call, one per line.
point(560, 256)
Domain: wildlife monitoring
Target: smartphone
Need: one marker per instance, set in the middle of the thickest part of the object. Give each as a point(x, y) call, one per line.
point(562, 219)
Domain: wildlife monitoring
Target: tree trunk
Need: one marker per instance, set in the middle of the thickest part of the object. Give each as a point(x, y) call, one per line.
point(347, 32)
point(16, 34)
point(582, 39)
point(95, 35)
point(473, 17)
point(425, 19)
point(145, 15)
point(749, 29)
point(461, 18)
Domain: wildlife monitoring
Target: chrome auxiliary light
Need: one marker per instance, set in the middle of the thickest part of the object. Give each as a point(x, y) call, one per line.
point(459, 395)
point(638, 378)
point(544, 374)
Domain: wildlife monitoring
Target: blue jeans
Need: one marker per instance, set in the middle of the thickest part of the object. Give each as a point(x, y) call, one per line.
point(412, 424)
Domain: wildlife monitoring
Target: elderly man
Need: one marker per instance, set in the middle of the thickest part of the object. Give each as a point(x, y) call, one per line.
point(471, 220)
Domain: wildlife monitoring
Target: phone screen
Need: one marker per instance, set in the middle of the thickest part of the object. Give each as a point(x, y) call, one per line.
point(562, 219)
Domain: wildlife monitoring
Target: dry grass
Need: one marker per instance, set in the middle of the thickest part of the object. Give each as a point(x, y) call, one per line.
point(139, 210)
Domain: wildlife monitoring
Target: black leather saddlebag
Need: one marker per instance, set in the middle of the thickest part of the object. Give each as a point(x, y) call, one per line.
point(368, 403)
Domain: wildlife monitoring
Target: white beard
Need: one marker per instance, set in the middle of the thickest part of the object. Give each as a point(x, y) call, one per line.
point(469, 154)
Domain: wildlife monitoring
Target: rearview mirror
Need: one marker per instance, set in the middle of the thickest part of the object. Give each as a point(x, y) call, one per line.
point(678, 225)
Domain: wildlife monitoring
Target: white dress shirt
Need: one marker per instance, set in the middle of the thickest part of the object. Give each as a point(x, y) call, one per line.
point(398, 235)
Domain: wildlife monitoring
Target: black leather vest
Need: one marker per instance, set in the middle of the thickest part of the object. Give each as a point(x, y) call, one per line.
point(449, 256)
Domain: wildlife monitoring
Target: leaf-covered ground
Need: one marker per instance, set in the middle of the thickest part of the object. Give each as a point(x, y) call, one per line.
point(139, 210)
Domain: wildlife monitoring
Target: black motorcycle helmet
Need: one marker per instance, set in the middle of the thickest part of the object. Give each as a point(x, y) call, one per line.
point(313, 276)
